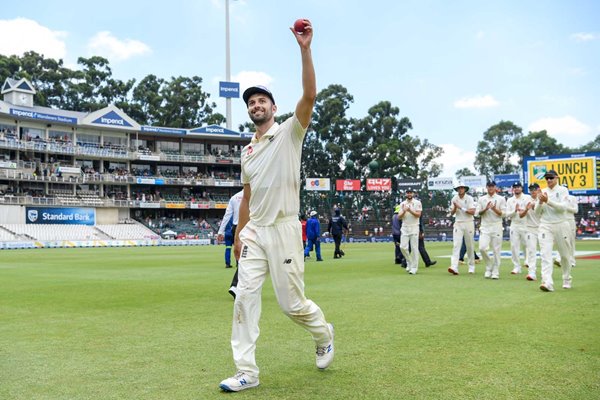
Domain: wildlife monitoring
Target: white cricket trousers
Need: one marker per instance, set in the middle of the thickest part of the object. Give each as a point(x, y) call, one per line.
point(518, 235)
point(531, 245)
point(466, 230)
point(410, 235)
point(491, 239)
point(275, 250)
point(572, 238)
point(549, 234)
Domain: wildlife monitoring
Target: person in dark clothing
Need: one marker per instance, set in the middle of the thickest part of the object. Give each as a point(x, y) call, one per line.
point(396, 227)
point(463, 251)
point(337, 226)
point(422, 251)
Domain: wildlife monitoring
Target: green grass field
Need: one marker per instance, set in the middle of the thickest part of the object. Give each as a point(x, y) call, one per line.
point(154, 323)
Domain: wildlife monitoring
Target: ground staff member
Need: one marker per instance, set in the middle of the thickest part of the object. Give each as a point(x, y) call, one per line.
point(491, 209)
point(232, 215)
point(532, 225)
point(463, 209)
point(313, 236)
point(514, 206)
point(554, 229)
point(337, 226)
point(269, 236)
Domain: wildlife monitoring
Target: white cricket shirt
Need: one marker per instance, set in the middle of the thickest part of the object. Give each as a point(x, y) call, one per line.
point(271, 166)
point(232, 211)
point(512, 204)
point(489, 219)
point(554, 211)
point(466, 202)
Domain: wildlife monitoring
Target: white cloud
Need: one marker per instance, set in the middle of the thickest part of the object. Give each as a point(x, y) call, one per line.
point(584, 36)
point(253, 78)
point(106, 45)
point(476, 102)
point(455, 158)
point(567, 130)
point(26, 34)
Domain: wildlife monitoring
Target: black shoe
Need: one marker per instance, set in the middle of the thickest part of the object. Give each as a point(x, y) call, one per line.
point(431, 263)
point(319, 259)
point(397, 261)
point(228, 266)
point(342, 253)
point(403, 265)
point(336, 256)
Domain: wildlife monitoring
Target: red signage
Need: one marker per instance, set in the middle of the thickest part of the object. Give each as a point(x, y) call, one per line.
point(379, 184)
point(347, 184)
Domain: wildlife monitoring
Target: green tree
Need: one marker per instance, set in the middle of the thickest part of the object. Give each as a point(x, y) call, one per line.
point(466, 171)
point(536, 144)
point(594, 145)
point(495, 151)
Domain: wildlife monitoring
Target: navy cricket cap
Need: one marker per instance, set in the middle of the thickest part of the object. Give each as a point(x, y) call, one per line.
point(517, 184)
point(490, 183)
point(551, 174)
point(534, 186)
point(254, 90)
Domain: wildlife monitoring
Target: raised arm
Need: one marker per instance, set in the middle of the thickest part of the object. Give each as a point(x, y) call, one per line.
point(305, 105)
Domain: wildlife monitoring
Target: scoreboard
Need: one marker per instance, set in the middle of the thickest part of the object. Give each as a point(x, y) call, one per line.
point(580, 172)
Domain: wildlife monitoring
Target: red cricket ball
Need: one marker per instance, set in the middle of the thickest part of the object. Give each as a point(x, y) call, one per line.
point(299, 26)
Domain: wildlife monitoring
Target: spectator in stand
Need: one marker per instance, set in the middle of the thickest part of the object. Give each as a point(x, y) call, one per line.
point(313, 236)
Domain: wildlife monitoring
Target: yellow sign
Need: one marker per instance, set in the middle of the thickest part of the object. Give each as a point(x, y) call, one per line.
point(175, 205)
point(577, 173)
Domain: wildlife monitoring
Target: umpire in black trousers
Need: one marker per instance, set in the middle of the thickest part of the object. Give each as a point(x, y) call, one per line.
point(337, 226)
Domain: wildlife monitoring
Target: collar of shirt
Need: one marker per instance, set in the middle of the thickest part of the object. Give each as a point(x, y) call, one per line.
point(270, 133)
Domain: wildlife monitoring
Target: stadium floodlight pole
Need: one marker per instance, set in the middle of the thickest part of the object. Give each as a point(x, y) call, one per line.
point(227, 65)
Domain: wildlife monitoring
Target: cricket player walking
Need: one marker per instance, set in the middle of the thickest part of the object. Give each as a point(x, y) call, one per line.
point(463, 208)
point(554, 229)
point(518, 232)
point(532, 224)
point(491, 209)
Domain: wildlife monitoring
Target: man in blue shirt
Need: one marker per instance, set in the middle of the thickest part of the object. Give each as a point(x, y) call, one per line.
point(313, 236)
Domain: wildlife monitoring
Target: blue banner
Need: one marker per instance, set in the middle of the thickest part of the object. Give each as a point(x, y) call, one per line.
point(111, 119)
point(506, 180)
point(160, 129)
point(70, 216)
point(43, 116)
point(214, 129)
point(229, 89)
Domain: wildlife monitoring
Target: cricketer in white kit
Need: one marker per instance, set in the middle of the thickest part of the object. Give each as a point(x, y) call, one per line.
point(532, 224)
point(463, 209)
point(554, 229)
point(269, 236)
point(410, 211)
point(518, 231)
point(491, 208)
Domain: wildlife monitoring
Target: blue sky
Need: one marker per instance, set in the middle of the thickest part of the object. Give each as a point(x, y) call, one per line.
point(453, 68)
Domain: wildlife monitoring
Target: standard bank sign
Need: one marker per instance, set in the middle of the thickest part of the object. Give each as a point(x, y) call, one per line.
point(70, 216)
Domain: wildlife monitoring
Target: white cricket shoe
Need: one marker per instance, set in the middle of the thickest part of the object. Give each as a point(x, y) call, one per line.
point(567, 284)
point(515, 271)
point(494, 276)
point(531, 277)
point(544, 287)
point(325, 353)
point(471, 269)
point(487, 274)
point(240, 381)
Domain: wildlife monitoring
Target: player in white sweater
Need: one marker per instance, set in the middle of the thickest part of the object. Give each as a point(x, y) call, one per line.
point(532, 225)
point(554, 229)
point(518, 231)
point(491, 208)
point(463, 208)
